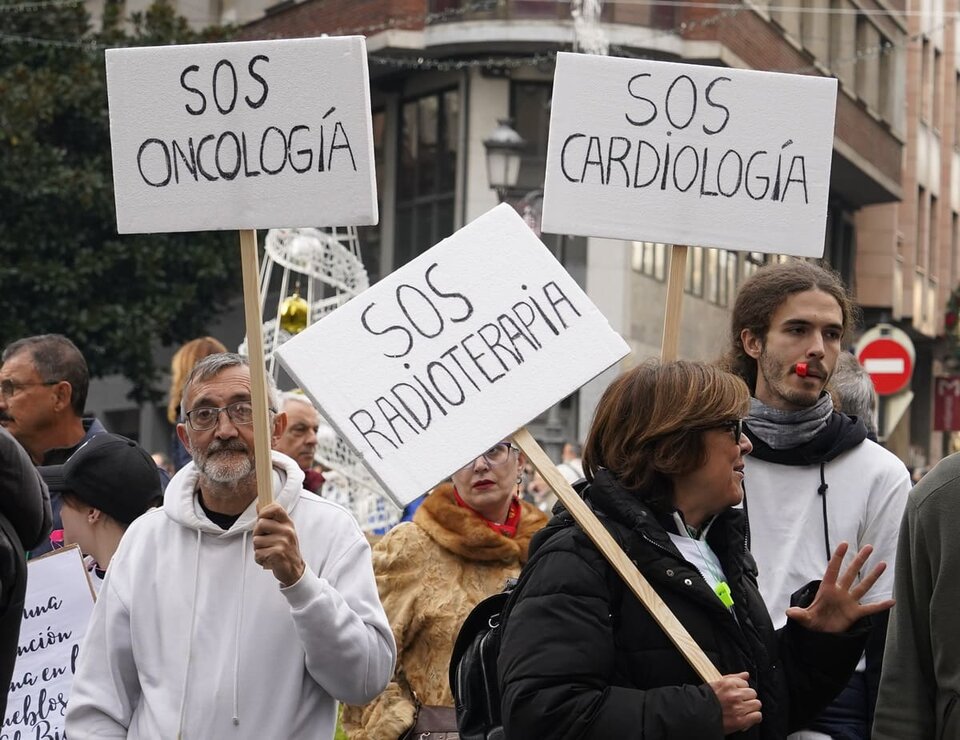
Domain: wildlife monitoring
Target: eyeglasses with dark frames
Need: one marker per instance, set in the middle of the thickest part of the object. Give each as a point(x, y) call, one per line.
point(496, 455)
point(734, 426)
point(10, 388)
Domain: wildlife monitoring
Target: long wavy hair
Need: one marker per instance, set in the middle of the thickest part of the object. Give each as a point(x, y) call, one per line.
point(763, 293)
point(649, 424)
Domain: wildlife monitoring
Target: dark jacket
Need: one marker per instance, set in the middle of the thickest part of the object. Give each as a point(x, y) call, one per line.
point(582, 658)
point(24, 521)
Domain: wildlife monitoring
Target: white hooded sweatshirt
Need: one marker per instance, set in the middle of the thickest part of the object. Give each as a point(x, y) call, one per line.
point(190, 638)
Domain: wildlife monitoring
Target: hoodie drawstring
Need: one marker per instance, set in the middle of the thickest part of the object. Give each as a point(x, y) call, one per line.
point(236, 647)
point(822, 490)
point(193, 621)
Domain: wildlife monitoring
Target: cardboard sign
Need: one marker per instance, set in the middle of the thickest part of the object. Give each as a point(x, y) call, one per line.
point(242, 135)
point(453, 352)
point(689, 154)
point(56, 612)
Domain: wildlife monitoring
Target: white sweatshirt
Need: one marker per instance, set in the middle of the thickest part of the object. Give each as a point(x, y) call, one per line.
point(867, 493)
point(191, 638)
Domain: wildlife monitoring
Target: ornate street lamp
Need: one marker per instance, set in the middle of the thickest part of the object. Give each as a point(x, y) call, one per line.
point(504, 148)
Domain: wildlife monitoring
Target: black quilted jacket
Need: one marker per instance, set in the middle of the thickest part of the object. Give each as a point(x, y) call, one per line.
point(581, 657)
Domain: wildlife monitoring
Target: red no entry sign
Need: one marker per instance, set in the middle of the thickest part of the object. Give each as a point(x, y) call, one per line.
point(888, 359)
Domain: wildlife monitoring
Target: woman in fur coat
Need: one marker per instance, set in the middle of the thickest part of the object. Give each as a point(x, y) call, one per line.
point(466, 539)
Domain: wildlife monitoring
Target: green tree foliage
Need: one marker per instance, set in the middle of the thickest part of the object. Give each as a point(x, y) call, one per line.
point(63, 268)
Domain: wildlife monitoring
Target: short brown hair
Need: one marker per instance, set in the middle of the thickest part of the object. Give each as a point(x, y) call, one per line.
point(764, 292)
point(649, 424)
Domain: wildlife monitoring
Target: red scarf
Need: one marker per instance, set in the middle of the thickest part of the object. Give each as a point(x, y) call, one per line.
point(509, 526)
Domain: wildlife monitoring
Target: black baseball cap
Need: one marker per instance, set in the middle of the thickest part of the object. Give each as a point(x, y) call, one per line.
point(111, 473)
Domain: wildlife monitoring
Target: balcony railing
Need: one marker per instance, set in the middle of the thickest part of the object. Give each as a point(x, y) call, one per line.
point(653, 15)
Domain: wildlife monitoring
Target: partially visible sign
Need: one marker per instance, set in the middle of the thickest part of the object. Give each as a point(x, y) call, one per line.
point(887, 354)
point(245, 135)
point(946, 403)
point(56, 612)
point(689, 154)
point(451, 353)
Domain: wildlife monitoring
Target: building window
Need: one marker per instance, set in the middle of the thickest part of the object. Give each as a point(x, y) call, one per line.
point(887, 81)
point(650, 259)
point(954, 247)
point(918, 261)
point(426, 172)
point(693, 276)
point(956, 111)
point(721, 276)
point(867, 71)
point(936, 94)
point(925, 82)
point(933, 253)
point(530, 107)
point(752, 261)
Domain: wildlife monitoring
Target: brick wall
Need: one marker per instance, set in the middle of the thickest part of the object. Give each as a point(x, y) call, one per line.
point(759, 43)
point(339, 17)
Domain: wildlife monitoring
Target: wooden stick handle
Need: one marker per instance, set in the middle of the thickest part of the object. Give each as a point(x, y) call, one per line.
point(258, 375)
point(674, 308)
point(618, 558)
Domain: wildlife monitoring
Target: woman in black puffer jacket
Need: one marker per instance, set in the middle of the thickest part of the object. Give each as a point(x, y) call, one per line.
point(582, 658)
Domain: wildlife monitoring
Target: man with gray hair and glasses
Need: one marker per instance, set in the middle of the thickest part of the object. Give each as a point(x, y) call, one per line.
point(43, 392)
point(220, 619)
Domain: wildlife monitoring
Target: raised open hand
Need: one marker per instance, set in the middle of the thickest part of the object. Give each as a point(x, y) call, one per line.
point(837, 604)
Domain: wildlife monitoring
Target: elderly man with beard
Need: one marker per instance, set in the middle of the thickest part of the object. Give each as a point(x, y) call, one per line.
point(219, 620)
point(814, 480)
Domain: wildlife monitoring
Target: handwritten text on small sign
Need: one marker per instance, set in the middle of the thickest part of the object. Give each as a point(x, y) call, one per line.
point(56, 611)
point(689, 154)
point(451, 353)
point(247, 135)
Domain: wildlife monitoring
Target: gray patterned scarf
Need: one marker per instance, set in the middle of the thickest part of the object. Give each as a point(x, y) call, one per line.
point(785, 429)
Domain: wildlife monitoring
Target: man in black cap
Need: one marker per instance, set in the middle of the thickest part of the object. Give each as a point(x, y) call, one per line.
point(106, 484)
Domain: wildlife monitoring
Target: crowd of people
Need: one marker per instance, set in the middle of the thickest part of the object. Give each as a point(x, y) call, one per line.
point(750, 492)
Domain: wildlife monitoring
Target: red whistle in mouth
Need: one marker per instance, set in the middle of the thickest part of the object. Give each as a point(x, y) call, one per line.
point(801, 369)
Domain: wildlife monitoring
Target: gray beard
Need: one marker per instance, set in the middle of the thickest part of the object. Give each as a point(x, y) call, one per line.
point(221, 469)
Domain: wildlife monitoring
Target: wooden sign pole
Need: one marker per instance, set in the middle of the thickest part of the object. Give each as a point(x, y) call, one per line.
point(600, 537)
point(258, 376)
point(669, 347)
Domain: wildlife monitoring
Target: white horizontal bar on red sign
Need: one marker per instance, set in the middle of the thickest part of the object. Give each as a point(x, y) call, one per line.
point(884, 366)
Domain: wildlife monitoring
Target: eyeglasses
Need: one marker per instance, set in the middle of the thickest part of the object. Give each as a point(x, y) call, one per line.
point(206, 417)
point(734, 426)
point(10, 388)
point(496, 455)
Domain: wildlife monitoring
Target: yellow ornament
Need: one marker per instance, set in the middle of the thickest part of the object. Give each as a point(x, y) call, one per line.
point(294, 313)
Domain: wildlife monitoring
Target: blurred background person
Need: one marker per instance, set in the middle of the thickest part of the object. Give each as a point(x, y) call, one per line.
point(163, 461)
point(854, 392)
point(466, 539)
point(540, 494)
point(571, 466)
point(180, 366)
point(25, 521)
point(104, 486)
point(581, 657)
point(299, 439)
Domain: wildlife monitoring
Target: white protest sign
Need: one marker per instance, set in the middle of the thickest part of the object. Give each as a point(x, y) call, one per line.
point(245, 135)
point(451, 353)
point(56, 612)
point(689, 154)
